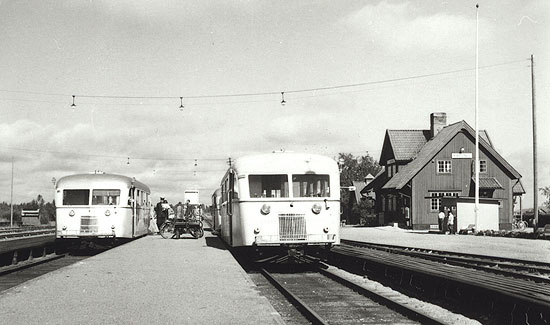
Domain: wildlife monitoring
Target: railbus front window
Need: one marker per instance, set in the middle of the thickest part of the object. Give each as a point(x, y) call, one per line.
point(76, 197)
point(106, 197)
point(311, 185)
point(268, 186)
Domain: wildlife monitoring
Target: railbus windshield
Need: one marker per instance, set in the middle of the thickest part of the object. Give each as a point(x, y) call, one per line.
point(277, 186)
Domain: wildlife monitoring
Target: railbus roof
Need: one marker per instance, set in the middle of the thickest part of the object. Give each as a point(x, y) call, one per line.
point(286, 162)
point(99, 180)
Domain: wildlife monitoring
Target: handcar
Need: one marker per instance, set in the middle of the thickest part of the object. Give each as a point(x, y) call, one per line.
point(191, 224)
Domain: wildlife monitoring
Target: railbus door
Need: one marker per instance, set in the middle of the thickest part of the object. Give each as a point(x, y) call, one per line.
point(133, 208)
point(230, 205)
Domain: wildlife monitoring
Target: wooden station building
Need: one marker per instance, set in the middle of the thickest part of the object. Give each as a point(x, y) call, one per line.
point(423, 166)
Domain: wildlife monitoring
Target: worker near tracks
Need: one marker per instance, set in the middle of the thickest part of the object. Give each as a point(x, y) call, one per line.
point(451, 222)
point(159, 211)
point(188, 209)
point(441, 218)
point(179, 210)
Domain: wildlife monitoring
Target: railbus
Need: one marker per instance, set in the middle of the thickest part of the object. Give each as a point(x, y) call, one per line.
point(99, 205)
point(289, 201)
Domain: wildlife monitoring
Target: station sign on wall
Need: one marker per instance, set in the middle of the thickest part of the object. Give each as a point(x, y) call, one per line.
point(461, 155)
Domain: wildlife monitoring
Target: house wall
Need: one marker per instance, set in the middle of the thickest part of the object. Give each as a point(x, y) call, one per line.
point(428, 180)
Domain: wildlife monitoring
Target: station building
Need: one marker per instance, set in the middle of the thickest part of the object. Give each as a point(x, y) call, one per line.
point(423, 168)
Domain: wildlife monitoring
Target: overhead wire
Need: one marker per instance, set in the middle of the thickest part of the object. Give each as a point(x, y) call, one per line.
point(252, 94)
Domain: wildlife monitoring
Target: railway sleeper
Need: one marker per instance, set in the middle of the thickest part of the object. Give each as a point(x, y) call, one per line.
point(474, 302)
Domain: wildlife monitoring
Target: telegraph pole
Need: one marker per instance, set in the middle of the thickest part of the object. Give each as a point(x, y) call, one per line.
point(535, 186)
point(11, 197)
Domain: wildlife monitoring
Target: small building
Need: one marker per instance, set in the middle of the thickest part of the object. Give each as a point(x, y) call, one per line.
point(423, 166)
point(30, 217)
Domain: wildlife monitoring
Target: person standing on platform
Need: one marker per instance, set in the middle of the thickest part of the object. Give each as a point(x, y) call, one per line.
point(188, 208)
point(159, 212)
point(440, 219)
point(451, 222)
point(179, 211)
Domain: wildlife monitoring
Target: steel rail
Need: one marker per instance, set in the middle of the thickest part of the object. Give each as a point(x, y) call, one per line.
point(25, 233)
point(482, 258)
point(501, 266)
point(403, 308)
point(309, 313)
point(525, 291)
point(27, 264)
point(482, 277)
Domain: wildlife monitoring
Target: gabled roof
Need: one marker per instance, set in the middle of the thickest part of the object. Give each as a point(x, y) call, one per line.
point(518, 188)
point(405, 144)
point(433, 146)
point(377, 182)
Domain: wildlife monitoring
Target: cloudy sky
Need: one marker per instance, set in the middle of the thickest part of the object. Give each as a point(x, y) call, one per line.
point(129, 62)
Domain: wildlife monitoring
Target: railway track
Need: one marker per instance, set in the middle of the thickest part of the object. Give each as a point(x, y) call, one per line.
point(326, 301)
point(474, 285)
point(528, 270)
point(7, 233)
point(14, 275)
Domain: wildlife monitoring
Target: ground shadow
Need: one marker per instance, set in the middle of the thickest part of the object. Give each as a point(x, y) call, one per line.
point(215, 242)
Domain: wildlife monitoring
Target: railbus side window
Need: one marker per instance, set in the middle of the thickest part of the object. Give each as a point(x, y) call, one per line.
point(268, 186)
point(76, 197)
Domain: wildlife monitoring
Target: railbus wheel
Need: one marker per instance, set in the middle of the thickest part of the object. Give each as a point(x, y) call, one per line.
point(196, 232)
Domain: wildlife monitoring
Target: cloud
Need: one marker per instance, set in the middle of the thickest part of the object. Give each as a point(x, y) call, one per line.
point(400, 28)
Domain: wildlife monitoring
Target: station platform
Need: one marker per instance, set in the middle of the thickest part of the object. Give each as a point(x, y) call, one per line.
point(149, 280)
point(518, 248)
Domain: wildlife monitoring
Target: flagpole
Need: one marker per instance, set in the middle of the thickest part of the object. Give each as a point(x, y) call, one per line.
point(476, 209)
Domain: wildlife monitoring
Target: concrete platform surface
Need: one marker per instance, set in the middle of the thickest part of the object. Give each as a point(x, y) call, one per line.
point(147, 281)
point(525, 249)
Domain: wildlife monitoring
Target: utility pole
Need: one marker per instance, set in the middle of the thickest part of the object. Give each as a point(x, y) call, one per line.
point(535, 186)
point(11, 197)
point(476, 208)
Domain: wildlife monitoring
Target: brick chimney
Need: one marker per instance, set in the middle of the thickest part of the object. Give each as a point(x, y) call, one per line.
point(437, 122)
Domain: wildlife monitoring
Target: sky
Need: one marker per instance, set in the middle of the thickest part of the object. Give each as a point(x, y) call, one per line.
point(128, 63)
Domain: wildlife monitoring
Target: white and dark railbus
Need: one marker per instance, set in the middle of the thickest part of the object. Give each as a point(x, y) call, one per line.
point(99, 205)
point(284, 200)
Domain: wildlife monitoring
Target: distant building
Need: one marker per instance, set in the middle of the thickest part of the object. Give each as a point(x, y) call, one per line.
point(424, 166)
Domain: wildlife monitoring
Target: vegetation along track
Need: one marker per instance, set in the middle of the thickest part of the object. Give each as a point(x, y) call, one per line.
point(529, 270)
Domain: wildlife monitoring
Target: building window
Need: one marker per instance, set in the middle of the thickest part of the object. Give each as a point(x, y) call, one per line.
point(444, 167)
point(483, 166)
point(435, 201)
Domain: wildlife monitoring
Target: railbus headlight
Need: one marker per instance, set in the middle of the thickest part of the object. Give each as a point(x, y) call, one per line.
point(325, 230)
point(107, 213)
point(113, 227)
point(266, 209)
point(316, 208)
point(71, 213)
point(256, 231)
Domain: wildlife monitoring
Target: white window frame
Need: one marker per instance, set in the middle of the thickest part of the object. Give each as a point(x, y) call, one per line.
point(446, 166)
point(481, 168)
point(435, 200)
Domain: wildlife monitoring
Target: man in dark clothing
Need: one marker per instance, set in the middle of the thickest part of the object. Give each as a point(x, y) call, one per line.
point(159, 212)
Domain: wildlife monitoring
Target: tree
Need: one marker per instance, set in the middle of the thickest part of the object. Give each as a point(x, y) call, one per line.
point(354, 169)
point(546, 192)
